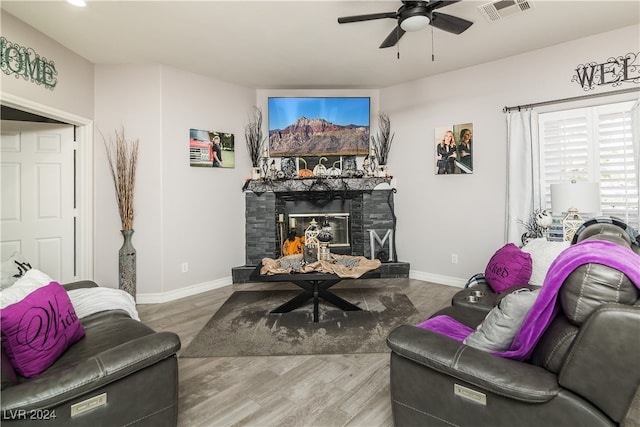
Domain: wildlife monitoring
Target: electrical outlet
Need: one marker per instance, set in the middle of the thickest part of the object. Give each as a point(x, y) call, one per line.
point(454, 258)
point(185, 267)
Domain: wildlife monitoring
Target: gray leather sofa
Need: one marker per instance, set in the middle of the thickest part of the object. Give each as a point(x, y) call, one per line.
point(120, 373)
point(583, 371)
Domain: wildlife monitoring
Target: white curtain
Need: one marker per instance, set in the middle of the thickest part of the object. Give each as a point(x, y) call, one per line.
point(523, 172)
point(635, 136)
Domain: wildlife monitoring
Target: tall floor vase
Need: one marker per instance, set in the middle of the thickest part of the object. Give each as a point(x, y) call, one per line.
point(127, 264)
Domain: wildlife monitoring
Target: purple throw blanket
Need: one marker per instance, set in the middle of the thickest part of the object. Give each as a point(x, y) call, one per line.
point(544, 308)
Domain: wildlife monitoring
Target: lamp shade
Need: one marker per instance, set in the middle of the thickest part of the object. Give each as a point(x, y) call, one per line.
point(582, 196)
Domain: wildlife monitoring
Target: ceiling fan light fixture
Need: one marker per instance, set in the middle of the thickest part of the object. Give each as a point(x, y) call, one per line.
point(414, 16)
point(414, 23)
point(78, 3)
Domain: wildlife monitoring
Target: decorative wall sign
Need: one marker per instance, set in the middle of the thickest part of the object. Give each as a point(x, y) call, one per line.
point(211, 149)
point(26, 63)
point(614, 72)
point(454, 149)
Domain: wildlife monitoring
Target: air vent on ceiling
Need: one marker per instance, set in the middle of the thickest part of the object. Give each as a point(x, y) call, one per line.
point(499, 9)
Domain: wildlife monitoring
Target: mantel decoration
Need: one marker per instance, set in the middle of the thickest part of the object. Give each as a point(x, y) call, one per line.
point(255, 140)
point(381, 144)
point(122, 155)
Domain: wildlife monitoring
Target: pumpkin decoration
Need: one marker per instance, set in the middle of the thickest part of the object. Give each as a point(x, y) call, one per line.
point(293, 245)
point(320, 169)
point(335, 171)
point(304, 173)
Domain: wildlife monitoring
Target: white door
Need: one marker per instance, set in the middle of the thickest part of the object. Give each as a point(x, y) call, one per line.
point(37, 181)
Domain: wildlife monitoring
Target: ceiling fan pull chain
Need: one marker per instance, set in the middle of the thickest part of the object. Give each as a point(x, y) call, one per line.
point(398, 42)
point(433, 55)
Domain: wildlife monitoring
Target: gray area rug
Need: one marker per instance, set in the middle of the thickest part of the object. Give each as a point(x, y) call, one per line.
point(243, 325)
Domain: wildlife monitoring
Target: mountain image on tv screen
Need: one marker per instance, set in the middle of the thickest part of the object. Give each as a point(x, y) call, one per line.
point(318, 126)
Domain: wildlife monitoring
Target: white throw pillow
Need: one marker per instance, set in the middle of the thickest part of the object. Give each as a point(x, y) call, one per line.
point(12, 269)
point(499, 328)
point(543, 253)
point(32, 280)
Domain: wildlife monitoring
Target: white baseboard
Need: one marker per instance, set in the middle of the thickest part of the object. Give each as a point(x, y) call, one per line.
point(160, 297)
point(437, 278)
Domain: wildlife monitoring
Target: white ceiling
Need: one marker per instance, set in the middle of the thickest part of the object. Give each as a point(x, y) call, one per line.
point(299, 44)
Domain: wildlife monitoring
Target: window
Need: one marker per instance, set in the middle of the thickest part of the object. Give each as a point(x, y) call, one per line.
point(592, 144)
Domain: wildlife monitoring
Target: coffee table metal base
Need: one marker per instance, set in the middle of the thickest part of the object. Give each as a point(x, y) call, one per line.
point(314, 285)
point(315, 289)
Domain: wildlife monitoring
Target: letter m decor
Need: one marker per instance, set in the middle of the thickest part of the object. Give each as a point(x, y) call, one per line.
point(614, 72)
point(374, 237)
point(26, 63)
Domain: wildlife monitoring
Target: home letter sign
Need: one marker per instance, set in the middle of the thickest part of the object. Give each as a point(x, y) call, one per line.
point(614, 71)
point(26, 63)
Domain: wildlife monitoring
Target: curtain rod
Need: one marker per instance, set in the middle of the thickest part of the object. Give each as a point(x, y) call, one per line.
point(575, 98)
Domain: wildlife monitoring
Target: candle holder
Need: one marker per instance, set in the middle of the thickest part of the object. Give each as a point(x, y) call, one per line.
point(265, 167)
point(324, 237)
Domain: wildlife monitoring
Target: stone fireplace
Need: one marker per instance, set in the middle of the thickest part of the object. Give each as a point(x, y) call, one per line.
point(359, 208)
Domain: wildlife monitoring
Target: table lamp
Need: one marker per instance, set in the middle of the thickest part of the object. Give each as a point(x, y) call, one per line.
point(572, 198)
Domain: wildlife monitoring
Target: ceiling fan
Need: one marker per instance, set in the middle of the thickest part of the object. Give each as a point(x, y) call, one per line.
point(414, 16)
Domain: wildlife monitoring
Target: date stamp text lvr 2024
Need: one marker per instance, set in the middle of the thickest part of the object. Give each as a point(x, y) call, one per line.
point(29, 414)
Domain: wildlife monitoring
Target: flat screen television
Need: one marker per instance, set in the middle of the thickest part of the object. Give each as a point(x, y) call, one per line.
point(319, 126)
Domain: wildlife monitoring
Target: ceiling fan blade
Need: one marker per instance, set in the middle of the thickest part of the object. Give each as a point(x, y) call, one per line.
point(369, 17)
point(393, 37)
point(432, 5)
point(449, 23)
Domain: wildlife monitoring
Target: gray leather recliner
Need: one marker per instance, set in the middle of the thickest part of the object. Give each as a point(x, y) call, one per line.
point(583, 371)
point(121, 373)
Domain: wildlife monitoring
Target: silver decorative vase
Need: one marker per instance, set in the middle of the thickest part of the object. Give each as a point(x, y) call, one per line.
point(127, 264)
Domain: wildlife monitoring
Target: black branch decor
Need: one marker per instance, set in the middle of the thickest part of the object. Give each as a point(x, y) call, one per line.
point(383, 139)
point(253, 136)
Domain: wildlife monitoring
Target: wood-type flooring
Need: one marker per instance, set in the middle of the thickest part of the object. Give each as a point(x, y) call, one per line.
point(317, 390)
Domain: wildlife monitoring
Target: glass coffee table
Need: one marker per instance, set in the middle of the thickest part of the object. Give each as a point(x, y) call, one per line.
point(314, 285)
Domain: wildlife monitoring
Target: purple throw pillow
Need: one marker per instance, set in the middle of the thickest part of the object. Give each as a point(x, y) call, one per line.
point(38, 329)
point(508, 267)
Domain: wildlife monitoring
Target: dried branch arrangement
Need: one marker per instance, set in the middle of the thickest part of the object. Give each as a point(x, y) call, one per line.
point(123, 158)
point(253, 135)
point(382, 143)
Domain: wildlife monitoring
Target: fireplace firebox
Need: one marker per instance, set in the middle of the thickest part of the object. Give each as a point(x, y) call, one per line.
point(338, 221)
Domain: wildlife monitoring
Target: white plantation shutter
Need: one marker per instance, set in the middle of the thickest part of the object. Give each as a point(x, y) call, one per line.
point(618, 185)
point(592, 144)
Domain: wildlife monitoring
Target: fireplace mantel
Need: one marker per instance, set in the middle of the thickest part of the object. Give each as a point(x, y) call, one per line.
point(317, 184)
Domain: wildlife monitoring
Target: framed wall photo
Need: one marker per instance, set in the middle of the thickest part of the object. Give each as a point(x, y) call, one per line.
point(454, 149)
point(211, 149)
